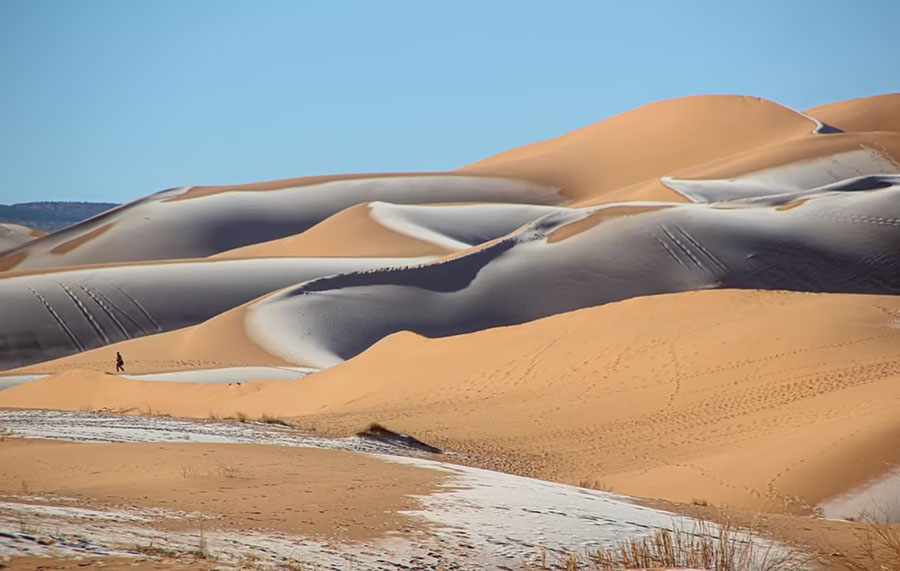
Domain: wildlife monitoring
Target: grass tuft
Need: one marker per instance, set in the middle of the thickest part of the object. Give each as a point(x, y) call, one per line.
point(266, 419)
point(155, 551)
point(878, 547)
point(595, 484)
point(705, 546)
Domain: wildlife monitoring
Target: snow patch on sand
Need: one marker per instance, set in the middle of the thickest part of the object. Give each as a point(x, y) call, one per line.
point(793, 177)
point(878, 499)
point(478, 517)
point(456, 227)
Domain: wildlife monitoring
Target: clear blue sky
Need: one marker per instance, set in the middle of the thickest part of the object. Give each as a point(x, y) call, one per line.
point(113, 99)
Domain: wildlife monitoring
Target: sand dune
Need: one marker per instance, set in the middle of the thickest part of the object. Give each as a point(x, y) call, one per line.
point(757, 399)
point(647, 143)
point(48, 315)
point(819, 240)
point(14, 235)
point(218, 342)
point(878, 113)
point(795, 166)
point(162, 227)
point(834, 241)
point(395, 230)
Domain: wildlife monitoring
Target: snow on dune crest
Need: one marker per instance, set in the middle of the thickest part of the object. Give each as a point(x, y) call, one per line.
point(792, 177)
point(456, 227)
point(162, 227)
point(834, 242)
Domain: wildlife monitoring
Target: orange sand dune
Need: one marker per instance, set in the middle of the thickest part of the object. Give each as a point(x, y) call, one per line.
point(649, 142)
point(758, 399)
point(782, 153)
point(216, 343)
point(878, 113)
point(351, 232)
point(198, 191)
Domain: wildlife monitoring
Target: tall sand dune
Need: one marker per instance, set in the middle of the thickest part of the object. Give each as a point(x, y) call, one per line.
point(832, 241)
point(647, 143)
point(395, 230)
point(878, 113)
point(48, 315)
point(167, 226)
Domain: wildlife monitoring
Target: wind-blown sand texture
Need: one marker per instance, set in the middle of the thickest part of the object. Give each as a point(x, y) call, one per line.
point(692, 300)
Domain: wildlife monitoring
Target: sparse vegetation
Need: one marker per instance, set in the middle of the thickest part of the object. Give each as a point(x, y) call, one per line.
point(266, 419)
point(202, 551)
point(222, 470)
point(155, 551)
point(705, 546)
point(189, 472)
point(878, 547)
point(595, 484)
point(228, 471)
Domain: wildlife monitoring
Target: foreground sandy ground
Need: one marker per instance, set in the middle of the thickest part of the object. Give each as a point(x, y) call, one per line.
point(318, 493)
point(335, 496)
point(760, 400)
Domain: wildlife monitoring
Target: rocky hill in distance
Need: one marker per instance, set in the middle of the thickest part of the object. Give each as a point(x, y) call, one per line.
point(50, 216)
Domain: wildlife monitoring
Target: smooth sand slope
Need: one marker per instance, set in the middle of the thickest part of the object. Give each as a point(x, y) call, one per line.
point(759, 399)
point(166, 225)
point(14, 235)
point(647, 143)
point(220, 342)
point(878, 113)
point(236, 486)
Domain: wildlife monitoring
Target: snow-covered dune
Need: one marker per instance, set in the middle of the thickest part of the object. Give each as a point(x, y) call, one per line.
point(379, 229)
point(52, 314)
point(831, 242)
point(792, 177)
point(14, 235)
point(174, 224)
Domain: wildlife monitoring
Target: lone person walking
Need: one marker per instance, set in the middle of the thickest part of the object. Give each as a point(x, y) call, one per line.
point(120, 363)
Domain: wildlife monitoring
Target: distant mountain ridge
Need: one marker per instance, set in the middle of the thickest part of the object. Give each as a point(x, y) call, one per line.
point(50, 216)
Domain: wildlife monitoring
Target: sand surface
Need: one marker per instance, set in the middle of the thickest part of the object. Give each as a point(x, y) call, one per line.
point(313, 492)
point(647, 143)
point(681, 397)
point(463, 517)
point(878, 113)
point(14, 235)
